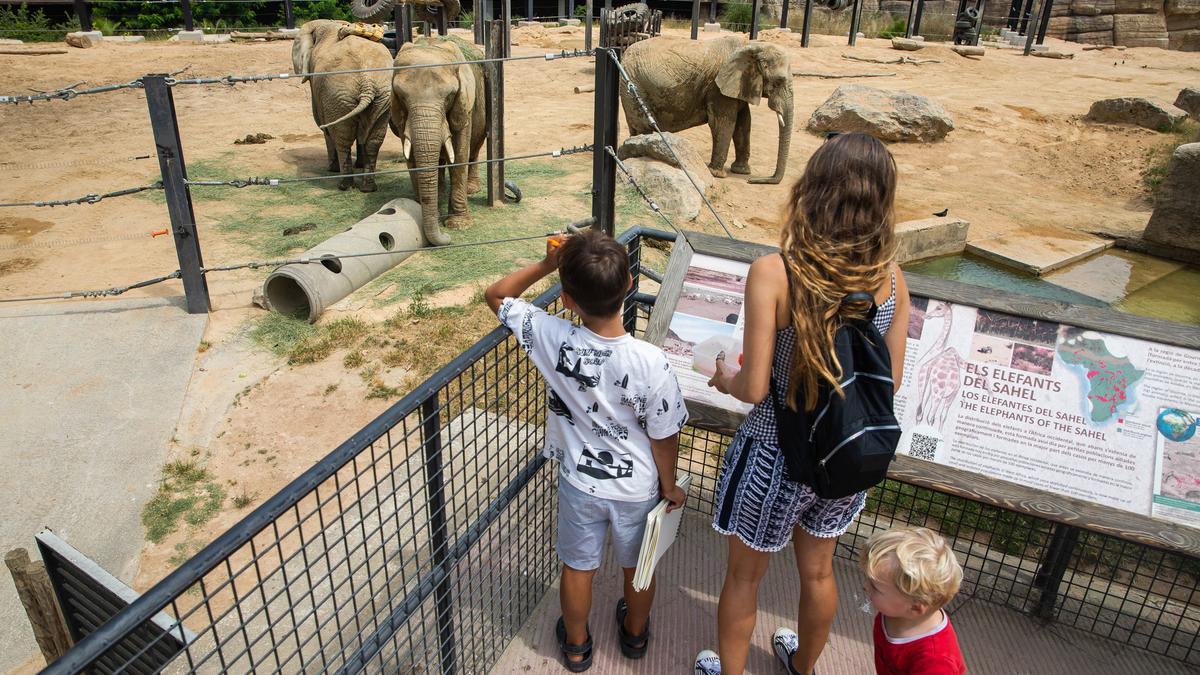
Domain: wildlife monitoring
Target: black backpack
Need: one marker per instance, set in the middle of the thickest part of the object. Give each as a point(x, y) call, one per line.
point(846, 443)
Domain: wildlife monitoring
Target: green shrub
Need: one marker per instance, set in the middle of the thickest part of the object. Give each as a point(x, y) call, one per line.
point(895, 29)
point(161, 16)
point(581, 11)
point(319, 9)
point(736, 16)
point(31, 26)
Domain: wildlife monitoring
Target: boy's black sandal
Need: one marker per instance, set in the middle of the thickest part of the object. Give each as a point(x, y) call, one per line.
point(632, 646)
point(568, 650)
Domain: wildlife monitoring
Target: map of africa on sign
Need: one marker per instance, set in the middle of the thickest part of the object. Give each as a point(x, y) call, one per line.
point(1109, 376)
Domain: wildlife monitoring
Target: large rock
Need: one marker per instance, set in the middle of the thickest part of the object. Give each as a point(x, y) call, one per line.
point(1189, 101)
point(667, 186)
point(1140, 30)
point(1142, 112)
point(1137, 6)
point(85, 40)
point(1184, 40)
point(890, 116)
point(1176, 218)
point(651, 146)
point(1091, 7)
point(1092, 30)
point(1181, 7)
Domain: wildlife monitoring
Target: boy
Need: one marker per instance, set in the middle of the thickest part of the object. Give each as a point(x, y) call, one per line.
point(911, 574)
point(613, 422)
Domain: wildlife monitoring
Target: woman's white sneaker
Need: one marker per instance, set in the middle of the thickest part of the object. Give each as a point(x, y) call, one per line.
point(785, 643)
point(708, 663)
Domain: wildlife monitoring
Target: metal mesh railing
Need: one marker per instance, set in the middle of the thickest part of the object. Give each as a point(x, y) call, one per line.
point(424, 542)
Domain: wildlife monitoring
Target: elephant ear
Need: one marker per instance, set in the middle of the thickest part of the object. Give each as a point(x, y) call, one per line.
point(464, 103)
point(740, 77)
point(302, 50)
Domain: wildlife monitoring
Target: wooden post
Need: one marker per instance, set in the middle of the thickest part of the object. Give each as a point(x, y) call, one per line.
point(806, 24)
point(41, 606)
point(84, 13)
point(753, 19)
point(497, 38)
point(587, 27)
point(856, 11)
point(783, 14)
point(695, 19)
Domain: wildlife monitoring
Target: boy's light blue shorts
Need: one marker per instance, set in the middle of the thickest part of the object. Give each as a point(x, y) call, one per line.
point(583, 523)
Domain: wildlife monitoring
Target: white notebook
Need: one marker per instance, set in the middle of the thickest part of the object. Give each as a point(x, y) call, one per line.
point(661, 528)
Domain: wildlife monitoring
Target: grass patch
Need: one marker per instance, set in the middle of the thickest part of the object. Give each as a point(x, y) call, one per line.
point(301, 342)
point(1158, 158)
point(186, 492)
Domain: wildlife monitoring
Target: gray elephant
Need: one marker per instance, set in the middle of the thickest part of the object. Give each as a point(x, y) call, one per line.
point(351, 108)
point(687, 83)
point(441, 114)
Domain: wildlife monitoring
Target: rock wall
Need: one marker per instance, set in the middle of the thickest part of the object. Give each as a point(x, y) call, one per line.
point(1169, 24)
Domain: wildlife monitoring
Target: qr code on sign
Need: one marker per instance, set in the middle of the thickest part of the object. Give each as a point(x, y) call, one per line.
point(923, 447)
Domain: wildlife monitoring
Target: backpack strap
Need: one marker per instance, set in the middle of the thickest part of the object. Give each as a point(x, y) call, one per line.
point(862, 296)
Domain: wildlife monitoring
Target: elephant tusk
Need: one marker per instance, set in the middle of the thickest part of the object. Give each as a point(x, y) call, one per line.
point(780, 116)
point(449, 150)
point(405, 147)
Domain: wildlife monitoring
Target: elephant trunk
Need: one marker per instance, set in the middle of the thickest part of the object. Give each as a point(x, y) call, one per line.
point(781, 103)
point(427, 135)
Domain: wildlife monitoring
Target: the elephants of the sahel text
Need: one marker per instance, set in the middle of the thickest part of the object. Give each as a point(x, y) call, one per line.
point(350, 108)
point(686, 83)
point(440, 115)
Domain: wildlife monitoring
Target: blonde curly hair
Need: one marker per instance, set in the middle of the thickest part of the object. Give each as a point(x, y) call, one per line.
point(918, 561)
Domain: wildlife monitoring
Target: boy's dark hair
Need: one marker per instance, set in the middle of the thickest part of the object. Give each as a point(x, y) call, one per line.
point(594, 270)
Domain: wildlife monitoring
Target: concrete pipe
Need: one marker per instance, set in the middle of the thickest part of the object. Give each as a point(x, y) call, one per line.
point(307, 290)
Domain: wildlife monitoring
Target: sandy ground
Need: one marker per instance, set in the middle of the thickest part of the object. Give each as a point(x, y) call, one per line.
point(1019, 157)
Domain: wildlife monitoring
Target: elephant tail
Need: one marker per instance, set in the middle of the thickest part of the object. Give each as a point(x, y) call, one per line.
point(364, 100)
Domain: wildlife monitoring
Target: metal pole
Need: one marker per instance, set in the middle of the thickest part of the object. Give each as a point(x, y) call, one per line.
point(783, 13)
point(712, 11)
point(529, 8)
point(161, 105)
point(84, 12)
point(806, 24)
point(604, 167)
point(289, 17)
point(406, 23)
point(435, 491)
point(854, 21)
point(754, 19)
point(587, 30)
point(442, 21)
point(695, 19)
point(917, 20)
point(981, 5)
point(507, 17)
point(1054, 566)
point(1025, 12)
point(1029, 35)
point(1045, 23)
point(494, 90)
point(1014, 13)
point(188, 24)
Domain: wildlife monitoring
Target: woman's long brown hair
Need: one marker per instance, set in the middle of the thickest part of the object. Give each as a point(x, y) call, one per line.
point(838, 238)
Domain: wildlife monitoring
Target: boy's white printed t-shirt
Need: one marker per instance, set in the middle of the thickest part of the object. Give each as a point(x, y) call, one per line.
point(606, 398)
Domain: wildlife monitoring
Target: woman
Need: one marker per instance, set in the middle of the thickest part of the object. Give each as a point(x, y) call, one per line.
point(838, 238)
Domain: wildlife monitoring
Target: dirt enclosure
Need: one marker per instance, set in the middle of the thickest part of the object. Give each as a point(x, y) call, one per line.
point(1020, 156)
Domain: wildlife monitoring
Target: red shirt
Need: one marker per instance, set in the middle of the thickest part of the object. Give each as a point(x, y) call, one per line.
point(935, 653)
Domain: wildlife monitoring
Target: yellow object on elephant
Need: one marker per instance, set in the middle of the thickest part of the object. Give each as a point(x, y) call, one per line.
point(371, 31)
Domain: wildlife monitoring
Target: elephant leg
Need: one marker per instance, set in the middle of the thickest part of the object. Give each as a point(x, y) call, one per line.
point(371, 143)
point(346, 159)
point(473, 183)
point(457, 211)
point(331, 152)
point(444, 179)
point(359, 153)
point(741, 141)
point(721, 123)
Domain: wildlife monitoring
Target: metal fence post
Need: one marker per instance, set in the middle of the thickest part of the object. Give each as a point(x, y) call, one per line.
point(604, 167)
point(635, 272)
point(188, 24)
point(695, 19)
point(806, 24)
point(916, 29)
point(289, 17)
point(1044, 24)
point(1031, 33)
point(908, 25)
point(587, 27)
point(1014, 14)
point(497, 36)
point(1023, 24)
point(179, 198)
point(529, 8)
point(981, 5)
point(783, 13)
point(1053, 567)
point(754, 19)
point(84, 12)
point(712, 11)
point(435, 491)
point(854, 17)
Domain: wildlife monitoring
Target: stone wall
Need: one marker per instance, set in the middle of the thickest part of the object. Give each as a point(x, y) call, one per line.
point(1169, 24)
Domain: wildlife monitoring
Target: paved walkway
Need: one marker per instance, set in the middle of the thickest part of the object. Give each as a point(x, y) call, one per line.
point(993, 639)
point(90, 393)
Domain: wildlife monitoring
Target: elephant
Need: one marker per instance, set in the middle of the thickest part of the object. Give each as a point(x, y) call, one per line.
point(352, 108)
point(440, 115)
point(686, 83)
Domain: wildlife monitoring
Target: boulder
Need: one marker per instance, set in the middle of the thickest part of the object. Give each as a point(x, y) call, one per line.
point(1137, 6)
point(1176, 218)
point(1140, 30)
point(890, 116)
point(906, 45)
point(1184, 40)
point(1142, 112)
point(1181, 7)
point(1083, 29)
point(1091, 7)
point(667, 186)
point(1189, 101)
point(85, 40)
point(651, 146)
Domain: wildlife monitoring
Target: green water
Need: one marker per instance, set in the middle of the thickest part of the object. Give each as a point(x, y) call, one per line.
point(1174, 297)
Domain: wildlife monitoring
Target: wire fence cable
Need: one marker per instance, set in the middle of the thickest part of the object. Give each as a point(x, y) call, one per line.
point(91, 198)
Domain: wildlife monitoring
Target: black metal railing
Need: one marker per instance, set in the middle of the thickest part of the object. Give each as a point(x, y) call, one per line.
point(424, 542)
